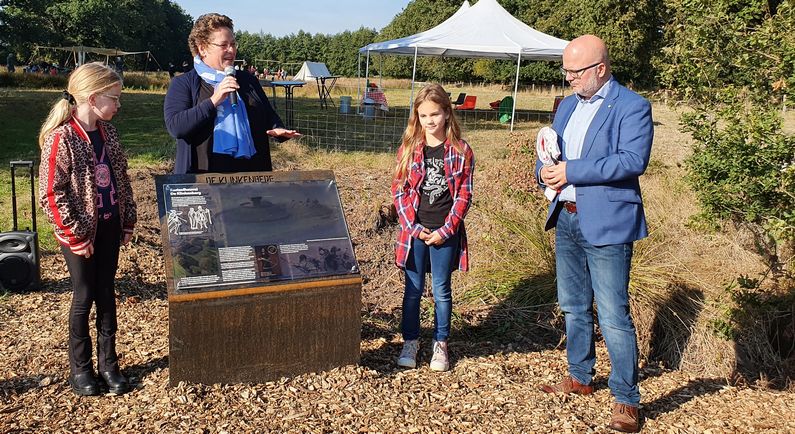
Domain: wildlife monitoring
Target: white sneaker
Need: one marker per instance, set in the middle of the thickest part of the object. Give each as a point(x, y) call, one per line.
point(440, 362)
point(408, 356)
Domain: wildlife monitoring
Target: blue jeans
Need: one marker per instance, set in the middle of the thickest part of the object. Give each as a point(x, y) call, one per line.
point(585, 271)
point(443, 259)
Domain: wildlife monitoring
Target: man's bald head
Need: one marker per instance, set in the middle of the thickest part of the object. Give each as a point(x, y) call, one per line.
point(587, 54)
point(589, 48)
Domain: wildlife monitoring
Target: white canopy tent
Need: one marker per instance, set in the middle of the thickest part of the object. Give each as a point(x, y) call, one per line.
point(79, 53)
point(485, 30)
point(310, 70)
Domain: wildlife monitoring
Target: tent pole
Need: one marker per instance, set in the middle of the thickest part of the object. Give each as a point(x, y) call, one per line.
point(366, 78)
point(515, 88)
point(381, 70)
point(358, 78)
point(367, 69)
point(413, 76)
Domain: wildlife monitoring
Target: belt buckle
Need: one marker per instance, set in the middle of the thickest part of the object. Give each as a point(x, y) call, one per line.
point(571, 207)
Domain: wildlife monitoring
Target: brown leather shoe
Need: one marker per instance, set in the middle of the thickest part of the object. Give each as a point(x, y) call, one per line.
point(569, 385)
point(626, 418)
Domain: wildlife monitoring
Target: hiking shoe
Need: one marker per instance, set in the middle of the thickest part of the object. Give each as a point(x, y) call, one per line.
point(440, 362)
point(408, 356)
point(568, 385)
point(626, 418)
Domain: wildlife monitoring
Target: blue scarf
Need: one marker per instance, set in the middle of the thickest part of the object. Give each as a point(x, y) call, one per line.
point(232, 133)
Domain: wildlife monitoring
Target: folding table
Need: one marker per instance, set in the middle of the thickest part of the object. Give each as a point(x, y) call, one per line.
point(324, 90)
point(288, 98)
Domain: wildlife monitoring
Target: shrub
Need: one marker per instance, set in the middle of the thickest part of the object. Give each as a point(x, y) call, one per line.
point(132, 80)
point(157, 81)
point(32, 81)
point(741, 171)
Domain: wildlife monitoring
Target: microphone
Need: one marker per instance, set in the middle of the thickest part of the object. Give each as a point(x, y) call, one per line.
point(230, 71)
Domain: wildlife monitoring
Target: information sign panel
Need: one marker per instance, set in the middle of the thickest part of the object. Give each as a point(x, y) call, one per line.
point(225, 231)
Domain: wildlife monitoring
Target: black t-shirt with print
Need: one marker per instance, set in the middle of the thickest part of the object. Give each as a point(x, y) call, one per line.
point(435, 198)
point(107, 201)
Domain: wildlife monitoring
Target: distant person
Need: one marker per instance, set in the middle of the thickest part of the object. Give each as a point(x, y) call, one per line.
point(432, 192)
point(186, 66)
point(213, 134)
point(86, 195)
point(605, 132)
point(119, 66)
point(172, 70)
point(11, 62)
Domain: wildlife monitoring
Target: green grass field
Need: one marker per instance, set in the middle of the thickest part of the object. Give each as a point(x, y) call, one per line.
point(147, 142)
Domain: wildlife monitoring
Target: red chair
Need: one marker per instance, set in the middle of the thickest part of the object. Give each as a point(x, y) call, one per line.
point(469, 103)
point(460, 99)
point(555, 104)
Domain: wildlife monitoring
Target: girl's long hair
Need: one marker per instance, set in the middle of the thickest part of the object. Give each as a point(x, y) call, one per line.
point(414, 135)
point(87, 80)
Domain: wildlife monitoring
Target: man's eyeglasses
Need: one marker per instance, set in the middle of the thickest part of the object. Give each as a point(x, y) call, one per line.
point(577, 73)
point(226, 45)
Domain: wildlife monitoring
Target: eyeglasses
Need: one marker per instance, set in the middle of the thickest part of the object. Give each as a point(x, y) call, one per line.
point(115, 98)
point(577, 73)
point(225, 46)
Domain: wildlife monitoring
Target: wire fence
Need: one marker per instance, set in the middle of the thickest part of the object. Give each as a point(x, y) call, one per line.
point(367, 128)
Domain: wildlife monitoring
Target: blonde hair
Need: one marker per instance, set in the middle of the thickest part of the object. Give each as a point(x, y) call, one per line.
point(414, 135)
point(204, 26)
point(87, 80)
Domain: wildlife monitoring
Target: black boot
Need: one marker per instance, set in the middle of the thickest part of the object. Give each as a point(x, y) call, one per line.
point(84, 384)
point(117, 383)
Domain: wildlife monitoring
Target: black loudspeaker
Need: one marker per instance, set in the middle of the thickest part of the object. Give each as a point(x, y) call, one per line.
point(19, 261)
point(19, 250)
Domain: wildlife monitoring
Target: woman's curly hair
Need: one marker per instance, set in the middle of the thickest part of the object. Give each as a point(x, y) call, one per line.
point(203, 27)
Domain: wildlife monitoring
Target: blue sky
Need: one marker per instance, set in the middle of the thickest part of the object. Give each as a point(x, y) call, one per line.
point(283, 17)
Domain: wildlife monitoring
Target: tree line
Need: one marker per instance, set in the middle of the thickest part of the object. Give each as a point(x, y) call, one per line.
point(632, 29)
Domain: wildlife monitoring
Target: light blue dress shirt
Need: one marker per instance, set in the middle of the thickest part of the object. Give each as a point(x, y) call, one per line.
point(577, 127)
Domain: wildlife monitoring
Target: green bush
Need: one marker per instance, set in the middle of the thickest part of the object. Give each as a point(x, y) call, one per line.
point(132, 80)
point(32, 81)
point(146, 81)
point(741, 171)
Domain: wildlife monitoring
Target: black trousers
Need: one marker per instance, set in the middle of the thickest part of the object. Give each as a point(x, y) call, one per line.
point(92, 282)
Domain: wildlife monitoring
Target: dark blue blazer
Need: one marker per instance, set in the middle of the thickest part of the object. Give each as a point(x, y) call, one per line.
point(191, 121)
point(615, 153)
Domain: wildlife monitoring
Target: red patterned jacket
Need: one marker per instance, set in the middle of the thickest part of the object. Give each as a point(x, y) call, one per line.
point(458, 169)
point(67, 184)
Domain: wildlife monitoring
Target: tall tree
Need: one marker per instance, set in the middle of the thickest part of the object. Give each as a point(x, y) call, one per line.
point(159, 26)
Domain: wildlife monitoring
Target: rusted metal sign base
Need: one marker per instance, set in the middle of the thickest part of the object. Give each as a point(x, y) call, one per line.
point(262, 334)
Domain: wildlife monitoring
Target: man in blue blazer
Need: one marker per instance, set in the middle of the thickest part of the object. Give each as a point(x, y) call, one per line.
point(605, 134)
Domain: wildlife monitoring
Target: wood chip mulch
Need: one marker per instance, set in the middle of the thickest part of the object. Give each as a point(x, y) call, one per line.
point(492, 386)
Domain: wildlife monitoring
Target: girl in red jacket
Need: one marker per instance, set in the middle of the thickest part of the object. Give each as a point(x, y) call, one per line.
point(432, 191)
point(85, 192)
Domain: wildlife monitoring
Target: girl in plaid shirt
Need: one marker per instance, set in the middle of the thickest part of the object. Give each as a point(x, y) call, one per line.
point(432, 191)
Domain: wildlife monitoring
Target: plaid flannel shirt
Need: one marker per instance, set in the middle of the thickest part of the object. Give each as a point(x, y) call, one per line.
point(458, 169)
